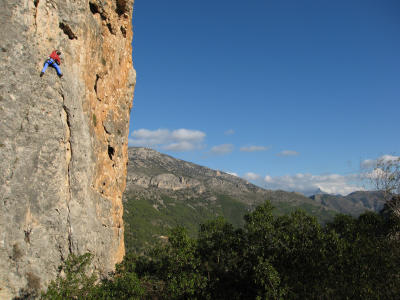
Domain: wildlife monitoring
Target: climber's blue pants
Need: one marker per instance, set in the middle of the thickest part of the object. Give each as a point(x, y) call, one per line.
point(52, 63)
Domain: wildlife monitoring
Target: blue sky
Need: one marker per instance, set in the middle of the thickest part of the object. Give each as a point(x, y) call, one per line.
point(289, 94)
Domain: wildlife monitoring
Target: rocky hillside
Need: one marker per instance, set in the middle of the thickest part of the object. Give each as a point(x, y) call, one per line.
point(354, 204)
point(151, 173)
point(63, 141)
point(162, 192)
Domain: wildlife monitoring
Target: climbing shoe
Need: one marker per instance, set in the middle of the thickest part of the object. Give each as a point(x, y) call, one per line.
point(60, 75)
point(41, 74)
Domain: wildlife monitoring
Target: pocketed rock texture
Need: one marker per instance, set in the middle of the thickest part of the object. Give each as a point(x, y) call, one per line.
point(63, 141)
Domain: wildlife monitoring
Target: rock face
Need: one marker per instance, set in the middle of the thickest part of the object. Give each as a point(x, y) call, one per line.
point(63, 141)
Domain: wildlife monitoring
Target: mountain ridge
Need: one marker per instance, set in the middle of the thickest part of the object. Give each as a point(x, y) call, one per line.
point(149, 169)
point(354, 203)
point(162, 192)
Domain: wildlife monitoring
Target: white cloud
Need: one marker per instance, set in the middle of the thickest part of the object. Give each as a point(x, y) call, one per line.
point(188, 135)
point(222, 149)
point(288, 153)
point(253, 148)
point(368, 163)
point(229, 132)
point(252, 176)
point(175, 140)
point(388, 157)
point(145, 137)
point(372, 163)
point(308, 183)
point(181, 146)
point(232, 173)
point(375, 174)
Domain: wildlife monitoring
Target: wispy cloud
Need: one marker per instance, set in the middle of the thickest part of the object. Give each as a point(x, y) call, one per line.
point(288, 153)
point(232, 173)
point(372, 163)
point(181, 146)
point(308, 183)
point(229, 132)
point(222, 149)
point(253, 148)
point(330, 183)
point(170, 140)
point(252, 176)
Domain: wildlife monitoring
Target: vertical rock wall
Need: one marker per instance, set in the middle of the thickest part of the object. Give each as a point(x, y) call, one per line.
point(63, 142)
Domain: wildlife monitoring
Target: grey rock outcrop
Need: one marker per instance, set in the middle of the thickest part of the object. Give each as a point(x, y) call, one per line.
point(63, 142)
point(163, 192)
point(151, 173)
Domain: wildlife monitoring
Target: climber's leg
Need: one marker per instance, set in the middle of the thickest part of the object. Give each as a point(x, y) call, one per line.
point(57, 67)
point(46, 64)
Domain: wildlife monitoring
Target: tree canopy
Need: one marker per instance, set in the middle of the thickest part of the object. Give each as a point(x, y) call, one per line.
point(285, 257)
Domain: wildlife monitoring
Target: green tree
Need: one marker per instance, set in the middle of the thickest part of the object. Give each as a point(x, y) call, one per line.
point(286, 257)
point(122, 284)
point(234, 270)
point(220, 248)
point(173, 270)
point(260, 254)
point(72, 281)
point(368, 266)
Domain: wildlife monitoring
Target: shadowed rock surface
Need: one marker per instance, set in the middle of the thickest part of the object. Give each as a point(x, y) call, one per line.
point(63, 142)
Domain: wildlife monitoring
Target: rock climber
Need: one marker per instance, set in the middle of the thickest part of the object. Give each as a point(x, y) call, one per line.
point(53, 61)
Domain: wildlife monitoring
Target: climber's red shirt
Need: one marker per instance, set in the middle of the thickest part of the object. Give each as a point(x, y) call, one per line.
point(54, 56)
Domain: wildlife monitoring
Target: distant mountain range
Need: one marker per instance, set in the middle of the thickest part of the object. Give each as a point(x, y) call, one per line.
point(316, 192)
point(354, 204)
point(163, 192)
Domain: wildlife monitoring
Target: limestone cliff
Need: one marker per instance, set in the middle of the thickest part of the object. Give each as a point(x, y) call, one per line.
point(63, 141)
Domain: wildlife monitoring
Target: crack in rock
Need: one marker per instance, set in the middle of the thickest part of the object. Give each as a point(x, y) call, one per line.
point(68, 162)
point(68, 31)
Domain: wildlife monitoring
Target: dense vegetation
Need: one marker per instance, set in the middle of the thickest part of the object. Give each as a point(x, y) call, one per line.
point(271, 257)
point(146, 220)
point(145, 224)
